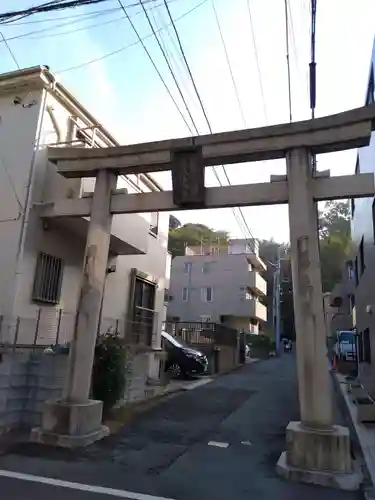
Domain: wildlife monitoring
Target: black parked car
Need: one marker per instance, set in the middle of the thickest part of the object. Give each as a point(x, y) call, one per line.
point(182, 360)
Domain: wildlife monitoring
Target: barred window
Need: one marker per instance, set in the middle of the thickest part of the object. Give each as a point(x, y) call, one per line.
point(48, 279)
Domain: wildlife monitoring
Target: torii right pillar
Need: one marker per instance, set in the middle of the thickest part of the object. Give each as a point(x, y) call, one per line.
point(317, 451)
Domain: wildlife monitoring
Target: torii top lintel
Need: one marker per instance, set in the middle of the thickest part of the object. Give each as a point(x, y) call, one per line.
point(346, 130)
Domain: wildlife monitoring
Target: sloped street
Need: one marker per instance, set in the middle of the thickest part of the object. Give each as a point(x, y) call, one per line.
point(219, 441)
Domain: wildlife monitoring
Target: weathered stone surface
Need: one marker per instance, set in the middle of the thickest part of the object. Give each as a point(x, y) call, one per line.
point(188, 178)
point(310, 449)
point(70, 424)
point(350, 482)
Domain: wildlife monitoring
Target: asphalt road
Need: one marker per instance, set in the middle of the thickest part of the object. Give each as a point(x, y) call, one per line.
point(217, 442)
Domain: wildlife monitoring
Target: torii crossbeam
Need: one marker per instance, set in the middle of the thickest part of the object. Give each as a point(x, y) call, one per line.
point(314, 443)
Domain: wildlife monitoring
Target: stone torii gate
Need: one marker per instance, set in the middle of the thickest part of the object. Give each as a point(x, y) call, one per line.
point(314, 444)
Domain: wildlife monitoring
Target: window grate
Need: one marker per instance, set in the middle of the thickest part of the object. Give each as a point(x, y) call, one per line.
point(48, 279)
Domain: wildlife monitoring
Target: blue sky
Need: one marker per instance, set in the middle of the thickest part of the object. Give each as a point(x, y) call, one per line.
point(125, 93)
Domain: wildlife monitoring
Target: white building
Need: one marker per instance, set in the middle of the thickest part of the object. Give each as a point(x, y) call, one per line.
point(41, 263)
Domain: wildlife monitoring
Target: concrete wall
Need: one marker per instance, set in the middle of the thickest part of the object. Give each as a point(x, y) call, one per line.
point(363, 228)
point(228, 275)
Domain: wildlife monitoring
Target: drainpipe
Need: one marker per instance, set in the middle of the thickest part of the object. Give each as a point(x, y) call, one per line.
point(28, 199)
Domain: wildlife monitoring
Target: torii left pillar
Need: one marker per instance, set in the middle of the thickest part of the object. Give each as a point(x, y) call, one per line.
point(76, 420)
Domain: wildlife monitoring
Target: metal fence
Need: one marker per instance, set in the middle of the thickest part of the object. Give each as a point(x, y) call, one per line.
point(202, 333)
point(53, 326)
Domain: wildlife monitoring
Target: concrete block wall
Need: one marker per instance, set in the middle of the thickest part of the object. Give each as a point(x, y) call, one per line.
point(27, 379)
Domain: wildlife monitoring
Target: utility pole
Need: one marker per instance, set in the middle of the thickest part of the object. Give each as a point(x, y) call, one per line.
point(276, 301)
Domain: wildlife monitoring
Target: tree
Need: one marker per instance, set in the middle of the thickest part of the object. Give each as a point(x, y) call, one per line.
point(194, 234)
point(335, 240)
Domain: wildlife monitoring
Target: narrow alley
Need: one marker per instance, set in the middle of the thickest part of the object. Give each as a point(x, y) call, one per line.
point(219, 441)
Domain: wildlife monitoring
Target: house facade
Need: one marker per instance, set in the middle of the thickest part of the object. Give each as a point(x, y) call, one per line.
point(339, 303)
point(41, 262)
point(363, 236)
point(220, 284)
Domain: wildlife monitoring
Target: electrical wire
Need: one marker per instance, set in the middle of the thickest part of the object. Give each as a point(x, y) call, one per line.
point(54, 5)
point(5, 41)
point(2, 162)
point(124, 47)
point(29, 34)
point(60, 18)
point(205, 115)
point(154, 65)
point(287, 59)
point(257, 60)
point(240, 108)
point(313, 71)
point(168, 64)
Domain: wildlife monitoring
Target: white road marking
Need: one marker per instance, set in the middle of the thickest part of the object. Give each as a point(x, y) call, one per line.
point(218, 444)
point(129, 495)
point(246, 443)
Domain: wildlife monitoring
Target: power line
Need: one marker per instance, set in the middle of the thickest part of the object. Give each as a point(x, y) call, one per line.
point(313, 63)
point(9, 50)
point(124, 47)
point(237, 97)
point(53, 5)
point(203, 111)
point(257, 60)
point(59, 18)
point(154, 65)
point(168, 64)
point(2, 162)
point(313, 70)
point(229, 65)
point(287, 58)
point(69, 23)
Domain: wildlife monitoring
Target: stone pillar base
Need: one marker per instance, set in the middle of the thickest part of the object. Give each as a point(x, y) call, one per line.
point(319, 457)
point(70, 425)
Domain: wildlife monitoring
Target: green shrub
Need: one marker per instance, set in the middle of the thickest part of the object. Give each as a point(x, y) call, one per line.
point(109, 370)
point(259, 341)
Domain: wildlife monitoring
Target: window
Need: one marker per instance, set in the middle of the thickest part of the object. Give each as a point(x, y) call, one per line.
point(154, 223)
point(187, 267)
point(362, 265)
point(366, 346)
point(48, 279)
point(166, 296)
point(206, 267)
point(185, 294)
point(143, 309)
point(207, 294)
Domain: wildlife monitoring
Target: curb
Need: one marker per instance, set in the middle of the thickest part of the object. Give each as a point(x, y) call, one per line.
point(367, 486)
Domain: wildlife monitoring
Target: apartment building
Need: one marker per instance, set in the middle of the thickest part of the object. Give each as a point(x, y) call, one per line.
point(339, 303)
point(221, 284)
point(41, 262)
point(363, 236)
